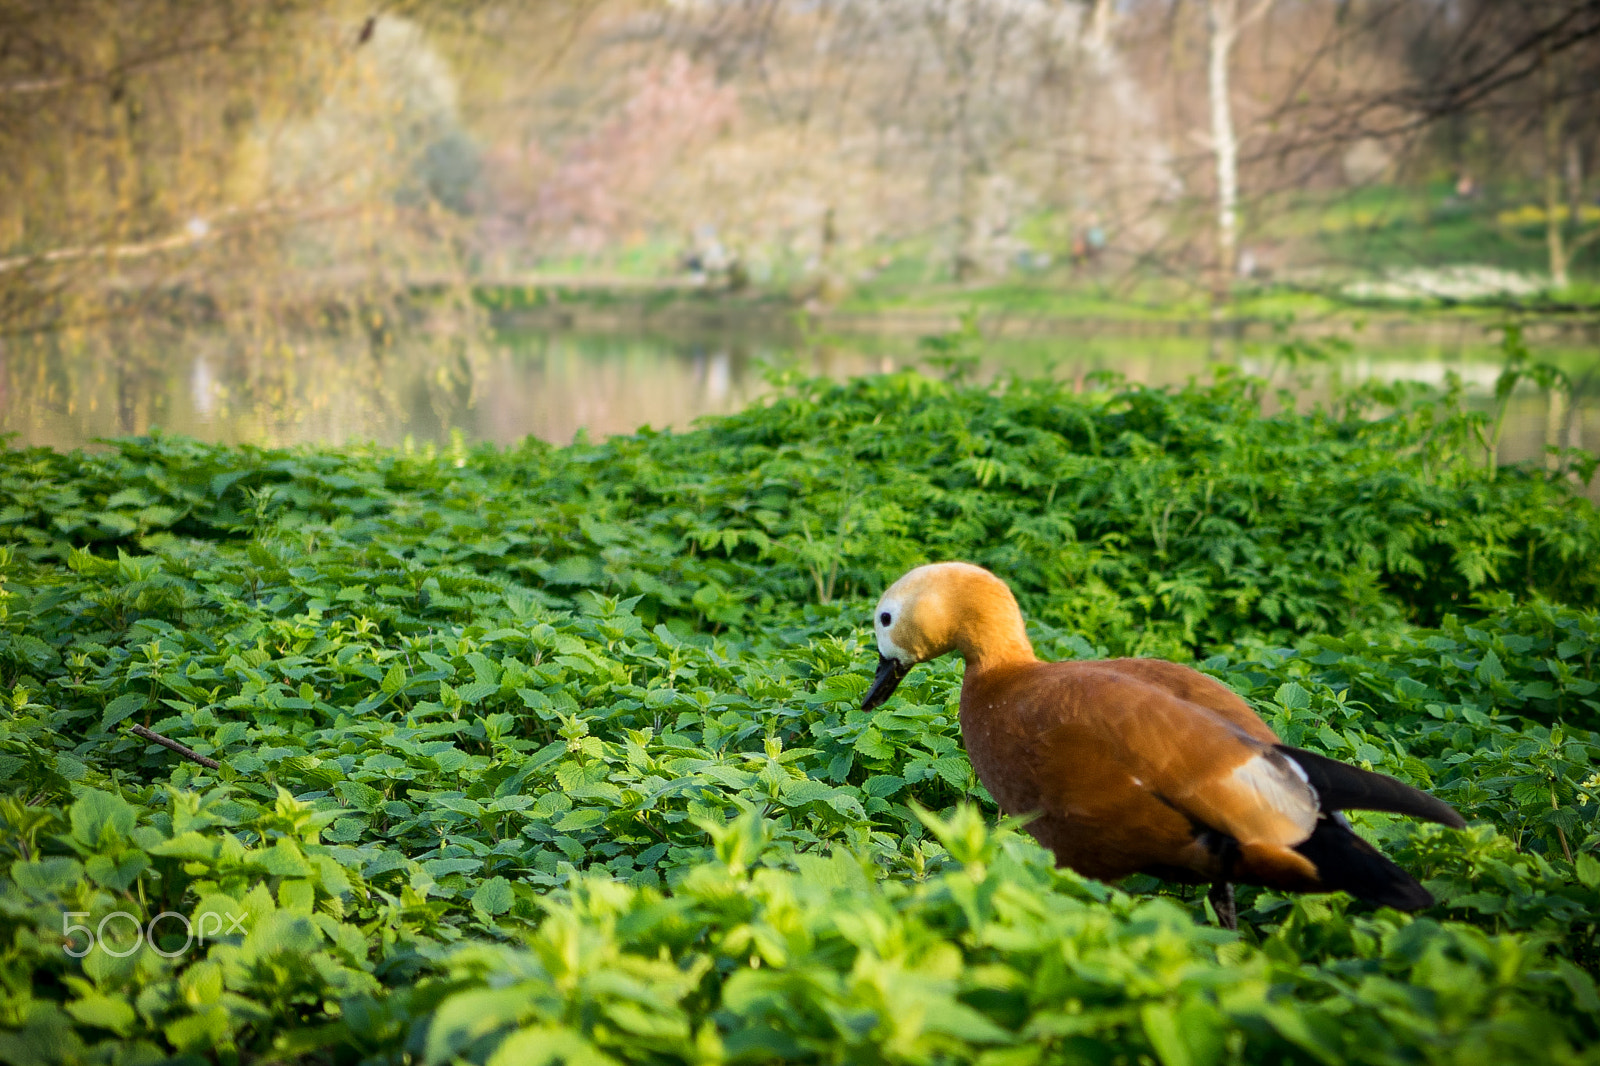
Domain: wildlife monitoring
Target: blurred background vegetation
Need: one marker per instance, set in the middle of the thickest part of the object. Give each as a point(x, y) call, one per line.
point(298, 219)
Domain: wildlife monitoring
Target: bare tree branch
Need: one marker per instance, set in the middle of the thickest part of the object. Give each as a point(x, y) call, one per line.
point(182, 749)
point(1417, 106)
point(197, 232)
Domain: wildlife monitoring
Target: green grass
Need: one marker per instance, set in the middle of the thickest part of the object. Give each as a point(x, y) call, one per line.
point(555, 753)
point(1399, 227)
point(1347, 234)
point(1056, 297)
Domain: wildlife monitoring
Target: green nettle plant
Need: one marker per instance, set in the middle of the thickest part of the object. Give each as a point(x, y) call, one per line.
point(555, 754)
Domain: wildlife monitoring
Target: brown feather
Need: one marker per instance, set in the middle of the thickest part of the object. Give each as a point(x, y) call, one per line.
point(1123, 773)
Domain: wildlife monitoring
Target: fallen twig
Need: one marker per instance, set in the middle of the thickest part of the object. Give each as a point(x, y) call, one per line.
point(167, 742)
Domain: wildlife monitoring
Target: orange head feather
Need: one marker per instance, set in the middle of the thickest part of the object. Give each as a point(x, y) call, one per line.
point(943, 607)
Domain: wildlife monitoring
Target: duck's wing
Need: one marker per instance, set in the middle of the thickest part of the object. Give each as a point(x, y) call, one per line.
point(1120, 757)
point(1191, 686)
point(1336, 786)
point(1204, 762)
point(1133, 777)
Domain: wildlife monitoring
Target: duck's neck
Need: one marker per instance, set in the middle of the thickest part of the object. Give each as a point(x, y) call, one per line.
point(991, 632)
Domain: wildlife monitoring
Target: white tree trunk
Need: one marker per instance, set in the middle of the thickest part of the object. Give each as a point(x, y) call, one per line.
point(1222, 25)
point(1555, 421)
point(1555, 124)
point(1101, 14)
point(1574, 185)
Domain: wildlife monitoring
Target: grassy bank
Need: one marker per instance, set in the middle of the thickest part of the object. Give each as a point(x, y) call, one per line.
point(1030, 307)
point(1387, 252)
point(554, 754)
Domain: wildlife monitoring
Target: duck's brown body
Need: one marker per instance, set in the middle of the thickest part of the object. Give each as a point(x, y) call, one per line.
point(1140, 765)
point(1127, 764)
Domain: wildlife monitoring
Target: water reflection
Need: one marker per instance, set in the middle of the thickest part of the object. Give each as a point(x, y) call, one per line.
point(65, 392)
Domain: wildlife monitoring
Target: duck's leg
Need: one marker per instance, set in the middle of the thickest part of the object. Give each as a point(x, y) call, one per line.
point(1221, 897)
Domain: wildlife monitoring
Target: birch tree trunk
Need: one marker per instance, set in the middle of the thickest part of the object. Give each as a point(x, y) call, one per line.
point(1555, 421)
point(1555, 126)
point(1574, 185)
point(1101, 13)
point(1222, 24)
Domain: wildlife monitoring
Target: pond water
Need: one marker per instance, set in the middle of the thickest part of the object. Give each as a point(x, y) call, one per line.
point(426, 388)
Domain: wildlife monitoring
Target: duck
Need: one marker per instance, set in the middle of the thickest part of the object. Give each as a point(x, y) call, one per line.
point(1141, 765)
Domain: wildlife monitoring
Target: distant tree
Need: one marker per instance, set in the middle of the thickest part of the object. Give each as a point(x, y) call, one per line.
point(1525, 75)
point(152, 150)
point(1224, 23)
point(601, 182)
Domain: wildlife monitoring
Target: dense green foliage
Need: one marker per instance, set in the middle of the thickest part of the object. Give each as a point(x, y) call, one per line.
point(555, 755)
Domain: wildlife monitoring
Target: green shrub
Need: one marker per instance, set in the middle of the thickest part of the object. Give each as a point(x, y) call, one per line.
point(556, 755)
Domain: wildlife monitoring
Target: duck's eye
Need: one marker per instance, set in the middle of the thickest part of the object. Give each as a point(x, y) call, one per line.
point(884, 619)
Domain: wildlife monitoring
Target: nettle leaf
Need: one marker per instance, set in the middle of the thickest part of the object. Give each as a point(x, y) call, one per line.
point(797, 793)
point(1490, 669)
point(484, 669)
point(451, 760)
point(883, 785)
point(100, 818)
point(119, 873)
point(460, 805)
point(395, 680)
point(284, 859)
point(476, 692)
point(44, 879)
point(442, 867)
point(467, 1016)
point(359, 795)
point(582, 818)
point(122, 707)
point(1531, 793)
point(282, 932)
point(104, 1012)
point(871, 744)
point(1293, 696)
point(1588, 870)
point(230, 733)
point(551, 804)
point(493, 897)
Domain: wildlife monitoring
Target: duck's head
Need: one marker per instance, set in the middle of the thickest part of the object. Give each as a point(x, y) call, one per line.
point(939, 608)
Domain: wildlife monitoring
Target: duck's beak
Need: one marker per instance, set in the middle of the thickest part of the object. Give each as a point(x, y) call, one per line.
point(890, 671)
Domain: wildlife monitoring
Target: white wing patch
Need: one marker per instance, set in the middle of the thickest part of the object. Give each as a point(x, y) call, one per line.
point(1282, 786)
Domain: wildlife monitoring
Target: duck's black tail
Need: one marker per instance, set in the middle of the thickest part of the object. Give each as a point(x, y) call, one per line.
point(1342, 787)
point(1343, 860)
point(1346, 863)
